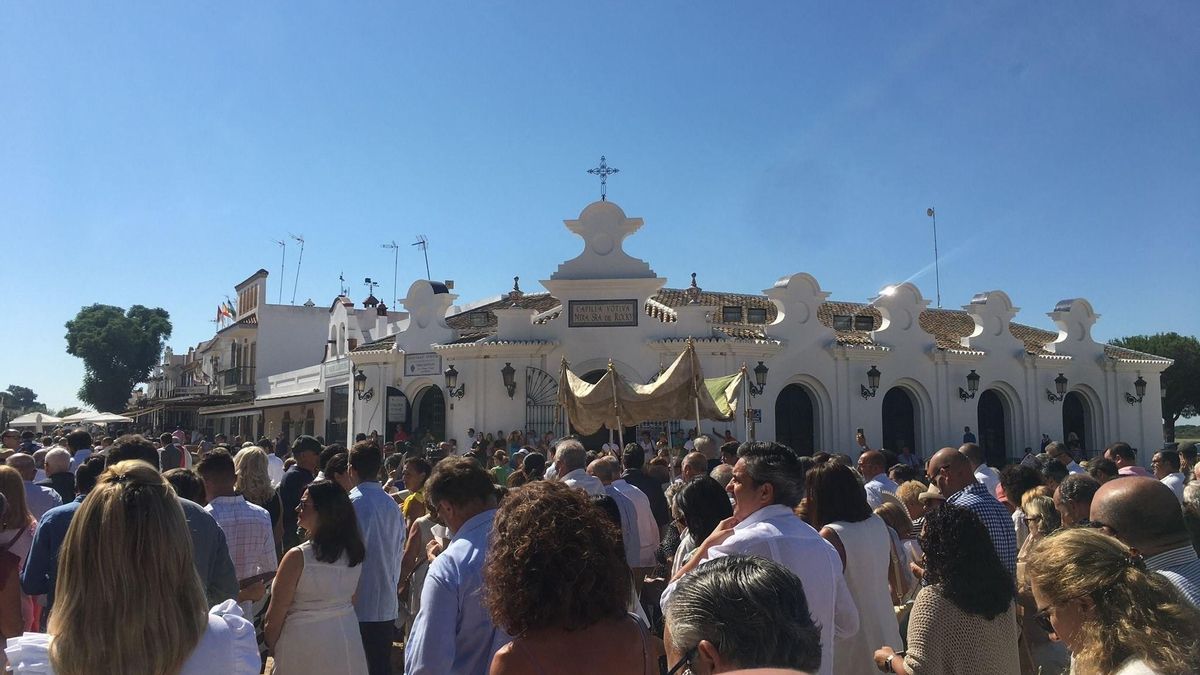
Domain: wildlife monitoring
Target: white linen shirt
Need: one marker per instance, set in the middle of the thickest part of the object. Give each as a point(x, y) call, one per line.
point(1176, 481)
point(248, 532)
point(875, 488)
point(581, 480)
point(777, 534)
point(647, 527)
point(989, 477)
point(40, 499)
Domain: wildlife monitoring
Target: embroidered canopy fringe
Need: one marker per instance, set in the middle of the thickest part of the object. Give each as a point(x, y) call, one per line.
point(680, 392)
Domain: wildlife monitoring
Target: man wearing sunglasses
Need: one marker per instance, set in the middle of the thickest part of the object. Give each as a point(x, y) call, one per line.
point(954, 476)
point(767, 485)
point(1144, 514)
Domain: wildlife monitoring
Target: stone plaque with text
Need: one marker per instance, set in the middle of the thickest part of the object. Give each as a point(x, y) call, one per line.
point(602, 313)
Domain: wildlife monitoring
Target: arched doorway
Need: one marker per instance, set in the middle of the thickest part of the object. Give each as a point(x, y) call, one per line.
point(597, 440)
point(430, 416)
point(1077, 423)
point(795, 419)
point(993, 424)
point(899, 421)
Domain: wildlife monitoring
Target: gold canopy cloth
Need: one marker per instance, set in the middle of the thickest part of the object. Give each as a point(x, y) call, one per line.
point(675, 395)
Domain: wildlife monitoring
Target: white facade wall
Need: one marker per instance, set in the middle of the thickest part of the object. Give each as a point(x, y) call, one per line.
point(798, 349)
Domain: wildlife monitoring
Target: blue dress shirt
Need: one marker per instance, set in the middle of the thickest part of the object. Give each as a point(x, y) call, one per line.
point(453, 631)
point(382, 527)
point(41, 566)
point(995, 518)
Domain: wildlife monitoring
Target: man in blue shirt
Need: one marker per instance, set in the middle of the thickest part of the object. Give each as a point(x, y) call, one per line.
point(951, 471)
point(382, 526)
point(41, 567)
point(453, 631)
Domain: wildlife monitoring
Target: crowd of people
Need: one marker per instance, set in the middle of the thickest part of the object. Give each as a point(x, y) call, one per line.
point(524, 553)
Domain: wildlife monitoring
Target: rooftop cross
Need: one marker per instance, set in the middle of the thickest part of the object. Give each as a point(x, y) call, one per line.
point(604, 171)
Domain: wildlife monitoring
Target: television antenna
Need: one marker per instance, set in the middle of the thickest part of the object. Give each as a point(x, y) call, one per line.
point(299, 238)
point(423, 242)
point(282, 260)
point(395, 266)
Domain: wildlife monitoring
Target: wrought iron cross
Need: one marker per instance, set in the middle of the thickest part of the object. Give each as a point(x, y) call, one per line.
point(604, 171)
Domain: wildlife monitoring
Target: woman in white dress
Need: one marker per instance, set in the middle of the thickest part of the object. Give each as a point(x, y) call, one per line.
point(128, 599)
point(837, 505)
point(311, 626)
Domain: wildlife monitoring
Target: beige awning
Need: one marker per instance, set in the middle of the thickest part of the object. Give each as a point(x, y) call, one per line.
point(680, 392)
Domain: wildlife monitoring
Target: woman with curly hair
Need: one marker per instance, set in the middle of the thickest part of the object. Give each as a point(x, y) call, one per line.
point(556, 580)
point(964, 619)
point(1116, 617)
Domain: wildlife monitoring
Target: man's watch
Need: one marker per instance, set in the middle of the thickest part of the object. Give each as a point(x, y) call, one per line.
point(887, 664)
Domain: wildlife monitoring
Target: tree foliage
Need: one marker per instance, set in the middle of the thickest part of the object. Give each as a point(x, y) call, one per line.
point(1182, 379)
point(68, 411)
point(17, 400)
point(118, 349)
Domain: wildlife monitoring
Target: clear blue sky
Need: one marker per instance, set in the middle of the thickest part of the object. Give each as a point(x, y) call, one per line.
point(149, 154)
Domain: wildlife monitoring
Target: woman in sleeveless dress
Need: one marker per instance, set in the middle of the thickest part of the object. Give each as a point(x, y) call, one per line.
point(570, 617)
point(311, 626)
point(837, 505)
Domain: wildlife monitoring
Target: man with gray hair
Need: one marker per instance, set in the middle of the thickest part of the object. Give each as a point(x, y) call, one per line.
point(769, 625)
point(570, 460)
point(705, 446)
point(694, 464)
point(722, 474)
point(58, 474)
point(767, 486)
point(639, 532)
point(39, 499)
point(1073, 499)
point(1062, 455)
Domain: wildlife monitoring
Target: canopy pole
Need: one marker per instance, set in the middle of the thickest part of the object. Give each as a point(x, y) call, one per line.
point(695, 384)
point(562, 402)
point(616, 409)
point(745, 403)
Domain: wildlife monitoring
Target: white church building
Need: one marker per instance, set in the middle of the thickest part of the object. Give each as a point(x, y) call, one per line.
point(820, 369)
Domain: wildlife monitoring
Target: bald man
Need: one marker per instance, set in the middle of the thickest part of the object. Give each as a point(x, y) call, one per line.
point(1144, 514)
point(873, 467)
point(951, 472)
point(694, 464)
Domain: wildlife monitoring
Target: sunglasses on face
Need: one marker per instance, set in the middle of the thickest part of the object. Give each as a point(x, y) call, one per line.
point(1042, 619)
point(684, 664)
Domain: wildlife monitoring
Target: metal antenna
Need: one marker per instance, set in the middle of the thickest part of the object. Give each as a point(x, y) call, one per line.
point(395, 267)
point(423, 242)
point(282, 260)
point(299, 238)
point(937, 275)
point(370, 285)
point(342, 288)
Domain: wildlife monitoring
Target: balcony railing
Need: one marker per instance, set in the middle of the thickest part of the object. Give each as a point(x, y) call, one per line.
point(236, 379)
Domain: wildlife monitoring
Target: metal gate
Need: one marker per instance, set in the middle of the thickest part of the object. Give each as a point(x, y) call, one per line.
point(541, 402)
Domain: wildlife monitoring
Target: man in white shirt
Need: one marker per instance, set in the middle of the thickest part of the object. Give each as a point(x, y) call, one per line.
point(569, 465)
point(39, 499)
point(873, 467)
point(639, 531)
point(766, 487)
point(983, 473)
point(79, 442)
point(1059, 452)
point(1165, 465)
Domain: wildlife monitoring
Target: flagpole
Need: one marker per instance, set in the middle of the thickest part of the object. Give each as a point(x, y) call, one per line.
point(937, 275)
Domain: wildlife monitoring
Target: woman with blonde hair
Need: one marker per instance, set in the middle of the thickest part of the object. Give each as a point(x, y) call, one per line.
point(1037, 650)
point(131, 525)
point(254, 483)
point(1115, 616)
point(17, 526)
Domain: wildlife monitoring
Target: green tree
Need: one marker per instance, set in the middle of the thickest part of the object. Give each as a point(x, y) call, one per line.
point(68, 411)
point(118, 349)
point(21, 399)
point(1181, 380)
